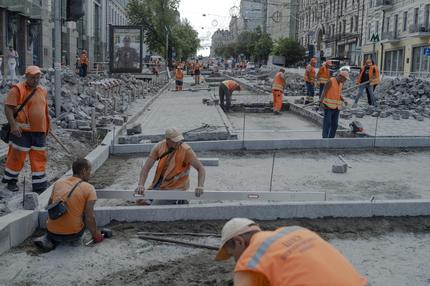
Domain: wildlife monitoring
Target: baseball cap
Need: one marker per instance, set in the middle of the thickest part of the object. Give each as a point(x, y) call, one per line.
point(33, 70)
point(345, 74)
point(174, 135)
point(234, 227)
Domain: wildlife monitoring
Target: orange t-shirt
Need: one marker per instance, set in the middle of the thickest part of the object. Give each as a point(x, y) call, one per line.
point(158, 149)
point(84, 59)
point(72, 221)
point(35, 116)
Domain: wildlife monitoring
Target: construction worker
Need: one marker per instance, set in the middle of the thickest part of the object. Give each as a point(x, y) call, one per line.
point(179, 76)
point(278, 86)
point(197, 72)
point(309, 78)
point(369, 78)
point(174, 161)
point(80, 209)
point(226, 89)
point(332, 102)
point(323, 75)
point(289, 255)
point(28, 131)
point(83, 60)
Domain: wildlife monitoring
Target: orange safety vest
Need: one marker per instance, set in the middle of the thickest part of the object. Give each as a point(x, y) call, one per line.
point(176, 171)
point(179, 74)
point(297, 256)
point(231, 85)
point(278, 82)
point(323, 74)
point(374, 76)
point(84, 59)
point(333, 95)
point(23, 93)
point(311, 76)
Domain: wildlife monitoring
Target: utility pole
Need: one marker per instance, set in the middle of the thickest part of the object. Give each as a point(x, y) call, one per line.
point(57, 57)
point(167, 48)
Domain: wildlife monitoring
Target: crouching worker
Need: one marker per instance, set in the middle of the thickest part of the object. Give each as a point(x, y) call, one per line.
point(79, 197)
point(174, 161)
point(290, 256)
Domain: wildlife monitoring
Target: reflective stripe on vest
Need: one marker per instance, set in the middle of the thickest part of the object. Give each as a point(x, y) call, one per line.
point(267, 243)
point(278, 82)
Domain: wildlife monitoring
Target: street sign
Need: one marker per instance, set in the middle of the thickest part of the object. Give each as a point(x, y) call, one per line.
point(426, 51)
point(375, 38)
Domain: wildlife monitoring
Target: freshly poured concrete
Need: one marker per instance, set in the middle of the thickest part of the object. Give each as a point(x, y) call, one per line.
point(269, 126)
point(383, 175)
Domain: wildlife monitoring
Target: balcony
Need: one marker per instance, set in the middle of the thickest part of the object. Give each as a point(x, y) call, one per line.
point(390, 36)
point(384, 4)
point(419, 31)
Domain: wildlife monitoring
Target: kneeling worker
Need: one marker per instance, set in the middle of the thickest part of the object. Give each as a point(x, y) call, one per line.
point(226, 88)
point(290, 256)
point(174, 161)
point(80, 209)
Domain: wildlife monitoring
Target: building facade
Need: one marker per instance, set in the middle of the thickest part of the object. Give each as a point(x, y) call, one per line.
point(282, 18)
point(252, 15)
point(220, 38)
point(401, 32)
point(332, 28)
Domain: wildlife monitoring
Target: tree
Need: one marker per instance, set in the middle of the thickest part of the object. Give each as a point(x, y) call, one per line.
point(262, 48)
point(159, 18)
point(290, 49)
point(246, 43)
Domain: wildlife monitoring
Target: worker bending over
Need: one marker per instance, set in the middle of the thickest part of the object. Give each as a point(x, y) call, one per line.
point(332, 102)
point(288, 256)
point(179, 76)
point(226, 89)
point(278, 87)
point(309, 78)
point(323, 75)
point(174, 161)
point(80, 198)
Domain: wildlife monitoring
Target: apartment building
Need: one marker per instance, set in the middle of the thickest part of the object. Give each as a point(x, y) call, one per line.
point(282, 18)
point(401, 33)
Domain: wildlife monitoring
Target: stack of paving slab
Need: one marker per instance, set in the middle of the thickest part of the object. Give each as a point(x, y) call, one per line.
point(400, 98)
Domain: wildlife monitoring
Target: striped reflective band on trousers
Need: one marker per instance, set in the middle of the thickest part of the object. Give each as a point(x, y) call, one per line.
point(267, 243)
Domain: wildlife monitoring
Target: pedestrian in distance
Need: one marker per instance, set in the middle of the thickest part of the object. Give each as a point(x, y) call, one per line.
point(287, 256)
point(179, 77)
point(332, 102)
point(278, 87)
point(80, 197)
point(12, 62)
point(28, 131)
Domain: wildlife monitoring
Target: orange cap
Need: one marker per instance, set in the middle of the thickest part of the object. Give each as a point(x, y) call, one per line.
point(32, 70)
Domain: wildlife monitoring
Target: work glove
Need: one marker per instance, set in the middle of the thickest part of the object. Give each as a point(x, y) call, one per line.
point(98, 238)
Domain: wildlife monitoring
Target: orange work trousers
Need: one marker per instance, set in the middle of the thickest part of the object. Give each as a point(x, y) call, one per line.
point(277, 99)
point(33, 144)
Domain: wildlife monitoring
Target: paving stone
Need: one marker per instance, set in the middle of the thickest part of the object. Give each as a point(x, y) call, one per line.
point(339, 169)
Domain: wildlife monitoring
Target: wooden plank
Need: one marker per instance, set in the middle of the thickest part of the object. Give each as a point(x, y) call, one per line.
point(213, 195)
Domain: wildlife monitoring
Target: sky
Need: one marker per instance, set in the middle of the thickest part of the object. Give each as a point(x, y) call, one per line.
point(217, 17)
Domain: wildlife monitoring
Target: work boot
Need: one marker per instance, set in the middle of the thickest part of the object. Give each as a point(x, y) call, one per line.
point(44, 243)
point(11, 186)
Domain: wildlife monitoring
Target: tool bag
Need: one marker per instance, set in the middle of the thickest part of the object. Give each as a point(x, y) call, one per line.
point(5, 128)
point(58, 209)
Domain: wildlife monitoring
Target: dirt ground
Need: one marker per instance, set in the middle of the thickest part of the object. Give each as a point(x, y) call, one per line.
point(393, 174)
point(389, 251)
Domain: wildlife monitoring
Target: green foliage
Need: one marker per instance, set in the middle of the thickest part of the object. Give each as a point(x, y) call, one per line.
point(290, 49)
point(155, 16)
point(252, 45)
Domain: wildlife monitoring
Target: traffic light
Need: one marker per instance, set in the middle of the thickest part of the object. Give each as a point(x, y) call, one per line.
point(75, 10)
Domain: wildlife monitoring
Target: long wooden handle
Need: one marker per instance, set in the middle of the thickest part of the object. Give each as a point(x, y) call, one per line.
point(186, 243)
point(60, 143)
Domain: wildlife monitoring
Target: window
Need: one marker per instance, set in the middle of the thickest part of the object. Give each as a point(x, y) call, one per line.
point(405, 21)
point(420, 63)
point(427, 16)
point(369, 30)
point(377, 27)
point(396, 23)
point(416, 17)
point(351, 25)
point(393, 61)
point(344, 26)
point(387, 24)
point(356, 24)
